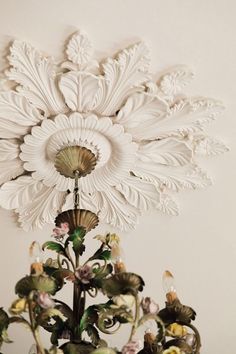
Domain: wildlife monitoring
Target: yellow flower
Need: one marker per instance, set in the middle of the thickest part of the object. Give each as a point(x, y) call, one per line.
point(176, 330)
point(109, 239)
point(113, 239)
point(18, 306)
point(173, 350)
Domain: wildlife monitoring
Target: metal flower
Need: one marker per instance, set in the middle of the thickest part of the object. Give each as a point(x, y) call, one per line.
point(60, 232)
point(144, 137)
point(84, 274)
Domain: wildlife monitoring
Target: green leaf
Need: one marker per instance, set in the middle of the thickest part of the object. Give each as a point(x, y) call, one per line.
point(54, 246)
point(4, 320)
point(77, 239)
point(93, 334)
point(54, 338)
point(105, 255)
point(89, 317)
point(41, 283)
point(101, 253)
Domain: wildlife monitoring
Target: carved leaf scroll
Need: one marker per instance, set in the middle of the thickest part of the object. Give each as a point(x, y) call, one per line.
point(17, 115)
point(33, 201)
point(11, 165)
point(145, 135)
point(37, 77)
point(81, 90)
point(123, 76)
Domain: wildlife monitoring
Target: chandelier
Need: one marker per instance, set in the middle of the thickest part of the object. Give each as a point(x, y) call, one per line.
point(83, 142)
point(82, 326)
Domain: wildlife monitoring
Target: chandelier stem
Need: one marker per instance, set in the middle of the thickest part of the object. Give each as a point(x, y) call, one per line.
point(76, 190)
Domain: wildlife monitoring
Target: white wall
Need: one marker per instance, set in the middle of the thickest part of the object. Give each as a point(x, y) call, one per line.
point(198, 246)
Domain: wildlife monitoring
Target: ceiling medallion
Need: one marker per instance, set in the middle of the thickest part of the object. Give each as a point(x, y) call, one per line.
point(142, 137)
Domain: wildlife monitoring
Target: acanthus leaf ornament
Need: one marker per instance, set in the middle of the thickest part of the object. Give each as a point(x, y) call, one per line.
point(144, 135)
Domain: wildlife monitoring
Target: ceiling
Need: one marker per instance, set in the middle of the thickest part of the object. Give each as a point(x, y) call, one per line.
point(199, 245)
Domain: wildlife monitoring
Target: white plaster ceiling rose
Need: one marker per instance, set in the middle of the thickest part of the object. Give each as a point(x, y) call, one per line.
point(145, 135)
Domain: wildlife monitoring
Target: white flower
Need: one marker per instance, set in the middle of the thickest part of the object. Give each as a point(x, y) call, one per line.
point(136, 130)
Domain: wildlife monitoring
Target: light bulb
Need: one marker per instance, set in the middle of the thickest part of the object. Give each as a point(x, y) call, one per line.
point(36, 259)
point(117, 253)
point(168, 283)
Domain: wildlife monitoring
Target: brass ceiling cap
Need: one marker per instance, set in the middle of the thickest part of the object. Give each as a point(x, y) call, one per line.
point(75, 158)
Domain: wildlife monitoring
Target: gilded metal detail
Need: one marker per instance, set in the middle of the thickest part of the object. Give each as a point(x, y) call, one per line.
point(76, 218)
point(75, 158)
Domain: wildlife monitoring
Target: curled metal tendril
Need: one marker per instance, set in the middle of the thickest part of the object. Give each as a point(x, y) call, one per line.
point(59, 261)
point(65, 261)
point(197, 335)
point(92, 292)
point(99, 268)
point(106, 321)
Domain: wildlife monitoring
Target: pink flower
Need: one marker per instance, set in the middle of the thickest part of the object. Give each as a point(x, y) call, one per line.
point(65, 227)
point(132, 347)
point(149, 306)
point(84, 274)
point(60, 232)
point(45, 301)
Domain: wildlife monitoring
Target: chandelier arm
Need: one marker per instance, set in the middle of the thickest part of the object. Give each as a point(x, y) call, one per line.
point(198, 338)
point(93, 292)
point(136, 319)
